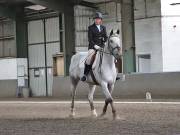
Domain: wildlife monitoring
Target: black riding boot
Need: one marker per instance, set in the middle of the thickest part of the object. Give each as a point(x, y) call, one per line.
point(86, 72)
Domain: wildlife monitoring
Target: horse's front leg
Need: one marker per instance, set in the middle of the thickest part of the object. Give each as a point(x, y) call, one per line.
point(108, 99)
point(90, 98)
point(111, 88)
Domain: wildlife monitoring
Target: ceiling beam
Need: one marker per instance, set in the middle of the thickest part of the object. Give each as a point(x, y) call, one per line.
point(7, 12)
point(88, 4)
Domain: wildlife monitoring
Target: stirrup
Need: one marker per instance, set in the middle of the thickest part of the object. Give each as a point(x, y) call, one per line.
point(117, 78)
point(83, 78)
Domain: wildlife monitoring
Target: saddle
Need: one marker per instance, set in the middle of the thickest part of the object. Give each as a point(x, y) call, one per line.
point(94, 63)
point(93, 58)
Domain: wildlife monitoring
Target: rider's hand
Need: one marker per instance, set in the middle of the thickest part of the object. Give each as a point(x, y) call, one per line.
point(97, 47)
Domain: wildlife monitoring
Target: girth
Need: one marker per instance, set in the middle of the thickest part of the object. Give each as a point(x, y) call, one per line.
point(93, 77)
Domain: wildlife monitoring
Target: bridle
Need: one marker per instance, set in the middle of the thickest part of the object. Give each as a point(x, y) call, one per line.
point(111, 49)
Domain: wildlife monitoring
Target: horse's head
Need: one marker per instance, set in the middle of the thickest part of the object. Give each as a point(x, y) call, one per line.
point(114, 44)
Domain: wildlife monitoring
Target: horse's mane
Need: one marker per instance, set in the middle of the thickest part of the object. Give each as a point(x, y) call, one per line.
point(115, 34)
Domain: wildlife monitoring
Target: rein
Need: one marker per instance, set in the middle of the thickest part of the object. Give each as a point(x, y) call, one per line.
point(110, 48)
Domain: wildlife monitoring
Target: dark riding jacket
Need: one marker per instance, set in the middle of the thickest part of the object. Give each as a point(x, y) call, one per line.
point(95, 37)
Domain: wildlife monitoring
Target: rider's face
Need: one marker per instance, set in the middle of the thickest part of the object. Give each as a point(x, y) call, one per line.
point(98, 21)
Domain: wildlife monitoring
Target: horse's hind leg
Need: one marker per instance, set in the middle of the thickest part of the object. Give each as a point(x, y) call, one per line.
point(74, 83)
point(90, 98)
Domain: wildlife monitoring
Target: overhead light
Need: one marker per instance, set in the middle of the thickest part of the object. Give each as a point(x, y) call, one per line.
point(36, 7)
point(173, 4)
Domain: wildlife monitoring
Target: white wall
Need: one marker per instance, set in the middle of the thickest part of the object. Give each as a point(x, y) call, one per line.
point(148, 41)
point(171, 35)
point(144, 64)
point(8, 69)
point(169, 10)
point(148, 32)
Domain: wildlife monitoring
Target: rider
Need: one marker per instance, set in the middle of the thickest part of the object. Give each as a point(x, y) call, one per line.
point(97, 36)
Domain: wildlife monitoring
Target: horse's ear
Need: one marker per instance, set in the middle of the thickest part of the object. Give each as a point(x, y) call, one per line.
point(118, 32)
point(111, 32)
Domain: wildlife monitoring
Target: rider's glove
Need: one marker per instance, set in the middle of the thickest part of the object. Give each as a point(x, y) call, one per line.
point(97, 47)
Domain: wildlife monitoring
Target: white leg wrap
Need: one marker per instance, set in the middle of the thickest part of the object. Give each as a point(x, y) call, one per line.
point(72, 114)
point(94, 113)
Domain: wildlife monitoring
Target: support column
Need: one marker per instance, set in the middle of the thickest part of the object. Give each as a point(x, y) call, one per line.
point(69, 47)
point(128, 36)
point(17, 14)
point(21, 34)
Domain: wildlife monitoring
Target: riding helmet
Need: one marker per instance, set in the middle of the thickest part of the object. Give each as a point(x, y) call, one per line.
point(98, 15)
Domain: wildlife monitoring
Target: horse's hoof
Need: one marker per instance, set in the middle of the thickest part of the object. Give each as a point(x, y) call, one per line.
point(94, 113)
point(72, 115)
point(83, 79)
point(102, 114)
point(116, 117)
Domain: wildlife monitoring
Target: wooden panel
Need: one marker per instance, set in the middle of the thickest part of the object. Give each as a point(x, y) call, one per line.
point(58, 65)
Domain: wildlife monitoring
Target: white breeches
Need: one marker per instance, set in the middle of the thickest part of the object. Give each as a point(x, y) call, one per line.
point(91, 52)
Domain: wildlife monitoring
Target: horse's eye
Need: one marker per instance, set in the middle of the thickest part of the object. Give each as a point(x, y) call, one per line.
point(111, 41)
